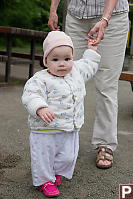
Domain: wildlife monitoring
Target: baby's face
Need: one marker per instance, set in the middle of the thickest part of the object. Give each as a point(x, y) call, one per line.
point(59, 61)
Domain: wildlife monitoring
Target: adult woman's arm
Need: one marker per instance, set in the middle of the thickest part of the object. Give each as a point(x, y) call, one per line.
point(100, 26)
point(53, 17)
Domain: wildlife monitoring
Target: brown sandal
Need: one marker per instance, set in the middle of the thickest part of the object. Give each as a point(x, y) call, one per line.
point(104, 153)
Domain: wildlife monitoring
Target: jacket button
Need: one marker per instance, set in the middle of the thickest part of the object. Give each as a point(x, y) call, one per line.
point(68, 107)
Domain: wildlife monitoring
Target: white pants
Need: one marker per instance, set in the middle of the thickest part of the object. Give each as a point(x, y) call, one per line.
point(112, 51)
point(53, 154)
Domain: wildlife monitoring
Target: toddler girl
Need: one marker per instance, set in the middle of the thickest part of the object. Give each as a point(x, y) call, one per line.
point(54, 99)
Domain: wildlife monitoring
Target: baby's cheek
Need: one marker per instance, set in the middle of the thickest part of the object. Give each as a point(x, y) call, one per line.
point(70, 67)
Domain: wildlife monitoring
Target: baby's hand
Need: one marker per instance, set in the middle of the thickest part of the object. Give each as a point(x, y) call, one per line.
point(45, 114)
point(92, 43)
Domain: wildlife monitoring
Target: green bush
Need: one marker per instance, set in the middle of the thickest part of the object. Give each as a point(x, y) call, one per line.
point(31, 14)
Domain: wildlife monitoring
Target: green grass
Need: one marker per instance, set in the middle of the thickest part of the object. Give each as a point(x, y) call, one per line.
point(26, 49)
point(23, 47)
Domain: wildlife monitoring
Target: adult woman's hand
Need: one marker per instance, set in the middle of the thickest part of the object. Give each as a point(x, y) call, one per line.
point(53, 21)
point(99, 30)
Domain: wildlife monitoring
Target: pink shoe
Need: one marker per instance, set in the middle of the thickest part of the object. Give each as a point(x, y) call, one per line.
point(58, 180)
point(49, 189)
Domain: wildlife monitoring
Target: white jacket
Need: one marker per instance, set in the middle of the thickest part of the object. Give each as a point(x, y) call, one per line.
point(63, 95)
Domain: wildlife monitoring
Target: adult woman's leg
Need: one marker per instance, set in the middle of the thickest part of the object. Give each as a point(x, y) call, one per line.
point(112, 50)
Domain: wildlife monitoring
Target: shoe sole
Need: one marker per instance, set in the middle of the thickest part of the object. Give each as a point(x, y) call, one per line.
point(103, 166)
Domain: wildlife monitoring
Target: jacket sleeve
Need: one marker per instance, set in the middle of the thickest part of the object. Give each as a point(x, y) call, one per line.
point(34, 95)
point(89, 64)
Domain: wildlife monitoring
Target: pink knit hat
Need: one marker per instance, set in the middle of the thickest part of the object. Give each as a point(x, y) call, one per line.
point(55, 39)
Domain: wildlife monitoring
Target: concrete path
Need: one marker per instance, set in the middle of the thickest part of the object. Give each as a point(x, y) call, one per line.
point(88, 182)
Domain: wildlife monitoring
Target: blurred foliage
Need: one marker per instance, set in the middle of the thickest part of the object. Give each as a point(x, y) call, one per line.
point(30, 14)
point(131, 27)
point(131, 13)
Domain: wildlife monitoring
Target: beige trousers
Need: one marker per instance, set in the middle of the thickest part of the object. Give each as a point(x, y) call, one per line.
point(112, 51)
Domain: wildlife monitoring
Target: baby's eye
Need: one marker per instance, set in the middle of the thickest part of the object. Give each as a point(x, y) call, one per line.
point(67, 59)
point(55, 59)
